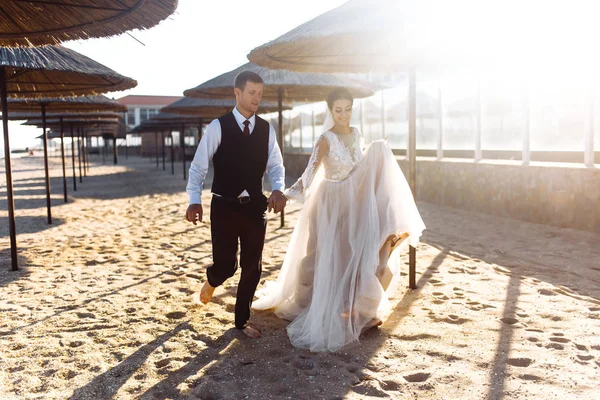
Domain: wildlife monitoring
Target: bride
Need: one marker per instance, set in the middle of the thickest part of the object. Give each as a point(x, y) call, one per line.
point(358, 208)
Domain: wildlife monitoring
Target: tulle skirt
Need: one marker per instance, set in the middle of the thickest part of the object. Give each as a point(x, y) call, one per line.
point(340, 258)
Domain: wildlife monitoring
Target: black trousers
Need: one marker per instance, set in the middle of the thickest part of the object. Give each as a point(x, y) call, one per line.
point(230, 223)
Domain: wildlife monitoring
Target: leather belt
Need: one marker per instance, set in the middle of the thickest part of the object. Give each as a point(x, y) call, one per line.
point(234, 200)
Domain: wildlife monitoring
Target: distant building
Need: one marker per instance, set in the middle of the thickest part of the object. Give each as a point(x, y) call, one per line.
point(143, 107)
point(139, 109)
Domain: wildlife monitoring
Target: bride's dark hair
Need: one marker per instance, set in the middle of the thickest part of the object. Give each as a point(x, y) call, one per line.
point(339, 94)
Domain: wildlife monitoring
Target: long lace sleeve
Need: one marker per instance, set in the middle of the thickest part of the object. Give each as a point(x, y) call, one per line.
point(319, 153)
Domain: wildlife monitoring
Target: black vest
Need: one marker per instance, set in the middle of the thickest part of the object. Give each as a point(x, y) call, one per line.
point(240, 161)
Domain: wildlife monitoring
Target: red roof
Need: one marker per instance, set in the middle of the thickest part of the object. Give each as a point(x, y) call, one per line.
point(146, 100)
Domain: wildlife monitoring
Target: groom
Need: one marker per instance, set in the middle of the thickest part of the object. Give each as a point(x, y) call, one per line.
point(242, 147)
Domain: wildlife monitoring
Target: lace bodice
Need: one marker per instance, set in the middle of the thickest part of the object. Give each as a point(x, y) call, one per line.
point(337, 153)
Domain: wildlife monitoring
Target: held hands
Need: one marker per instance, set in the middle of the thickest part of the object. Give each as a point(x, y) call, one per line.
point(194, 213)
point(277, 201)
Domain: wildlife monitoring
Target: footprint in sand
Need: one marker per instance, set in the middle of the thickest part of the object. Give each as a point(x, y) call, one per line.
point(520, 361)
point(555, 346)
point(176, 315)
point(304, 364)
point(417, 377)
point(502, 270)
point(559, 340)
point(529, 377)
point(585, 357)
point(392, 386)
point(162, 363)
point(546, 292)
point(581, 347)
point(509, 320)
point(435, 282)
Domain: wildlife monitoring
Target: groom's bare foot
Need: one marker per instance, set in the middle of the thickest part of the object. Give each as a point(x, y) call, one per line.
point(206, 293)
point(251, 332)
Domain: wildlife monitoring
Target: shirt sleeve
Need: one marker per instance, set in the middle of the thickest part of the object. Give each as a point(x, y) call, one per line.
point(275, 168)
point(319, 153)
point(204, 153)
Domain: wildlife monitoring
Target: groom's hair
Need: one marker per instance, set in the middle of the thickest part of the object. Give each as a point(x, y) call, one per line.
point(246, 76)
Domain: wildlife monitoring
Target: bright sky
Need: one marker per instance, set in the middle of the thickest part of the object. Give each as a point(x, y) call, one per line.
point(201, 40)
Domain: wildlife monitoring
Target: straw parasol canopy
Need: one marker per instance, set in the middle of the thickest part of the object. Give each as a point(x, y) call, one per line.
point(57, 105)
point(301, 87)
point(358, 36)
point(212, 108)
point(22, 116)
point(47, 72)
point(42, 22)
point(75, 120)
point(376, 35)
point(56, 71)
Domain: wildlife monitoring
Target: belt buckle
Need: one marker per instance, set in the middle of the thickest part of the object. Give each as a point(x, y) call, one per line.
point(244, 200)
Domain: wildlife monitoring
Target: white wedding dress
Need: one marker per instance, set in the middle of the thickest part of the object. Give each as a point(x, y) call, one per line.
point(335, 273)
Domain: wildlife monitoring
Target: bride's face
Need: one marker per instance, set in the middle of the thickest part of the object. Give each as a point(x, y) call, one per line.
point(342, 112)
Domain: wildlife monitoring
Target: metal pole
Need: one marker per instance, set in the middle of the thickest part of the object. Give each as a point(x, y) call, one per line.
point(126, 147)
point(156, 147)
point(313, 125)
point(172, 153)
point(526, 157)
point(301, 143)
point(182, 142)
point(362, 118)
point(73, 158)
point(440, 144)
point(478, 133)
point(115, 154)
point(412, 163)
point(45, 139)
point(62, 153)
point(280, 109)
point(162, 140)
point(86, 158)
point(9, 183)
point(79, 151)
point(589, 132)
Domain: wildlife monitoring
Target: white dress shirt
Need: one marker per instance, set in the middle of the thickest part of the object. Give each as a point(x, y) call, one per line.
point(208, 147)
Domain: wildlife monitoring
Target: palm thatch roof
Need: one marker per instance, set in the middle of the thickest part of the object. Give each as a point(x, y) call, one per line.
point(164, 125)
point(66, 104)
point(99, 131)
point(358, 36)
point(296, 86)
point(65, 116)
point(41, 22)
point(56, 71)
point(74, 121)
point(212, 108)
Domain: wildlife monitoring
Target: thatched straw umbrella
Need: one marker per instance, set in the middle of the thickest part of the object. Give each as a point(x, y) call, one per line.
point(44, 72)
point(65, 118)
point(42, 22)
point(179, 122)
point(358, 36)
point(280, 86)
point(168, 122)
point(212, 108)
point(208, 109)
point(66, 106)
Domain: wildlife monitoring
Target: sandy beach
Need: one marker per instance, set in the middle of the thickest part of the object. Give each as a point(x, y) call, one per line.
point(104, 305)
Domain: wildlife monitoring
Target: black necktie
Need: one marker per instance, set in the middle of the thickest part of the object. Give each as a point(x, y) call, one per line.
point(246, 128)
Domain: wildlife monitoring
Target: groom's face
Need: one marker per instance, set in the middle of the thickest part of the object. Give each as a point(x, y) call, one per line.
point(249, 98)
